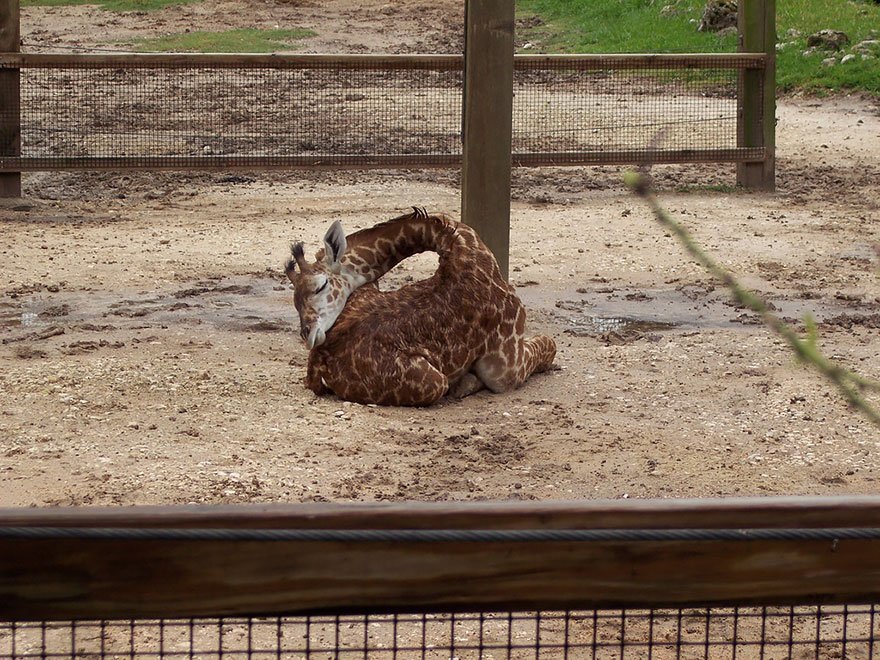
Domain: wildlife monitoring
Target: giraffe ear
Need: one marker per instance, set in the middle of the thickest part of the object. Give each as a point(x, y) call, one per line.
point(335, 244)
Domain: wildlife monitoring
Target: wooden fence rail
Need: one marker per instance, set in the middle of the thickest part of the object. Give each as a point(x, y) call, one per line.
point(71, 571)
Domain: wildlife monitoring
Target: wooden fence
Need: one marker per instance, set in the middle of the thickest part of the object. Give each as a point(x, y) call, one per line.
point(489, 66)
point(92, 563)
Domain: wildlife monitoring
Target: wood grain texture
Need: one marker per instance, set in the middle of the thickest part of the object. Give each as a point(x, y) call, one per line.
point(232, 60)
point(378, 61)
point(355, 161)
point(727, 513)
point(487, 124)
point(10, 97)
point(330, 162)
point(756, 122)
point(78, 578)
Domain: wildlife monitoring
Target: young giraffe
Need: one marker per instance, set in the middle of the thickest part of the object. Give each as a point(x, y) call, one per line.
point(455, 332)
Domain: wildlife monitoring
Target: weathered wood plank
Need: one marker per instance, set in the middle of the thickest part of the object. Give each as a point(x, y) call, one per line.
point(728, 513)
point(76, 579)
point(756, 124)
point(378, 61)
point(82, 578)
point(10, 97)
point(378, 161)
point(594, 61)
point(488, 124)
point(341, 161)
point(232, 60)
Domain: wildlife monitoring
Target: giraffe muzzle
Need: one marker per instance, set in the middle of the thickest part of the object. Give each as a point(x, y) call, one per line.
point(315, 336)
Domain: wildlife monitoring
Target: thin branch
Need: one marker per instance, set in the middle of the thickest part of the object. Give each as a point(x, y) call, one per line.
point(848, 383)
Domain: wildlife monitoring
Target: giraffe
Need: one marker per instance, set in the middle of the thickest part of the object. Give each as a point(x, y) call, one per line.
point(453, 333)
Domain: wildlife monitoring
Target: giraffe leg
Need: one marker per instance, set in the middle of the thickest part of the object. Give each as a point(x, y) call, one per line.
point(514, 360)
point(313, 379)
point(542, 350)
point(399, 379)
point(420, 384)
point(468, 384)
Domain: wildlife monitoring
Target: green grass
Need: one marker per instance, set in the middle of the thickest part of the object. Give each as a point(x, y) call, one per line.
point(110, 5)
point(793, 70)
point(230, 41)
point(636, 26)
point(619, 26)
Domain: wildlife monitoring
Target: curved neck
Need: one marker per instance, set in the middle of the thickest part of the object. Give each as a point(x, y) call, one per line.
point(374, 251)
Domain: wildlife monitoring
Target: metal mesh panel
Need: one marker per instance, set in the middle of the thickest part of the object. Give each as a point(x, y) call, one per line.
point(641, 113)
point(187, 112)
point(718, 633)
point(179, 117)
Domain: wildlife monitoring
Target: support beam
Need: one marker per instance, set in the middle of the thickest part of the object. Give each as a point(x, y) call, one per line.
point(487, 123)
point(757, 112)
point(10, 100)
point(104, 563)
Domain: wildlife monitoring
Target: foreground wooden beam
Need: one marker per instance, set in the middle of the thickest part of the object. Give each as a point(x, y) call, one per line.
point(76, 577)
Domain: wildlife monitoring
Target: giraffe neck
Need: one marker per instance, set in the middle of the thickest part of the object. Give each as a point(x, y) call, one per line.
point(374, 251)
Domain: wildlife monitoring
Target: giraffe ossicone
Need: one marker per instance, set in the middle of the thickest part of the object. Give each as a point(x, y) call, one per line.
point(454, 333)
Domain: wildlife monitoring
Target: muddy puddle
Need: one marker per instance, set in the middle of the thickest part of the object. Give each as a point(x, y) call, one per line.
point(628, 311)
point(264, 304)
point(243, 304)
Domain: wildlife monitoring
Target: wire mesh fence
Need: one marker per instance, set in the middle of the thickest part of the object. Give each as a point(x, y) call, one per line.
point(627, 110)
point(239, 111)
point(768, 632)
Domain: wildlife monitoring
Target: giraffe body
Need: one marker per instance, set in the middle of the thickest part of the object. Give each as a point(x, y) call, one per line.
point(457, 331)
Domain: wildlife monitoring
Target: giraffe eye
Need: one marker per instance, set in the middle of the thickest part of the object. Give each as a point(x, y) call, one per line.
point(322, 287)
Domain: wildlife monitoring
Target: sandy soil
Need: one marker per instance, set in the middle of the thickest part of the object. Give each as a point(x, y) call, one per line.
point(149, 350)
point(341, 26)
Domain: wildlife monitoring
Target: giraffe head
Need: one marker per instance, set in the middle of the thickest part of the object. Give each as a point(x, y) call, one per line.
point(322, 288)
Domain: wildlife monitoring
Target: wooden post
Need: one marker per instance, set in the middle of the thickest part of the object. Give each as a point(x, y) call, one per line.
point(756, 125)
point(487, 123)
point(10, 100)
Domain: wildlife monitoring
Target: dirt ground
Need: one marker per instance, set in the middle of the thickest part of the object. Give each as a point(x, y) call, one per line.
point(150, 355)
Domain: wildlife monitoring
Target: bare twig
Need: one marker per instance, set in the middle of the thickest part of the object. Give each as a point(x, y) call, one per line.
point(806, 349)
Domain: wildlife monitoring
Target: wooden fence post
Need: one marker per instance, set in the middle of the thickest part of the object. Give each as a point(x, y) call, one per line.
point(756, 123)
point(10, 99)
point(487, 123)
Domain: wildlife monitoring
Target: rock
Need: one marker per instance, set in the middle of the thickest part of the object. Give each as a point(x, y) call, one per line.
point(718, 15)
point(847, 58)
point(829, 61)
point(828, 39)
point(867, 47)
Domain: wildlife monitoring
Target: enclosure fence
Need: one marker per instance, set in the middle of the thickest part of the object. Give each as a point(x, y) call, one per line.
point(253, 111)
point(768, 632)
point(739, 578)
